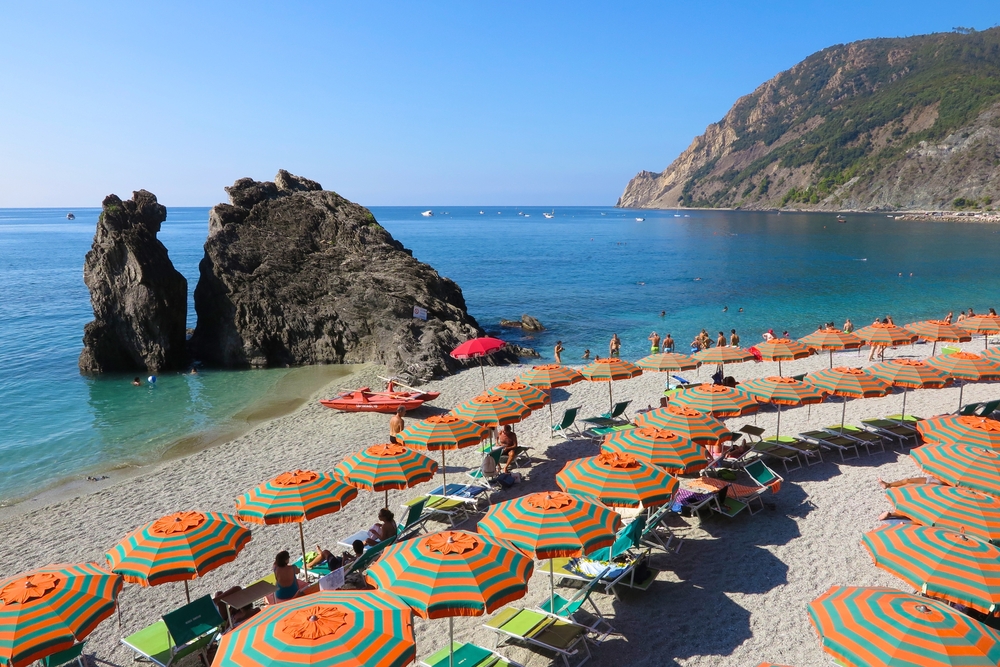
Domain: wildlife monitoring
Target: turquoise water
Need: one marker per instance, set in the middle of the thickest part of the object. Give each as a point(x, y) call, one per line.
point(586, 273)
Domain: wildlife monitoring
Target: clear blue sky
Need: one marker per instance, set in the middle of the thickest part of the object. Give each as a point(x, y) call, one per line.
point(422, 103)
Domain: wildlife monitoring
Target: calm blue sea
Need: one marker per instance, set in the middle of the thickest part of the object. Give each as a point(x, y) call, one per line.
point(586, 273)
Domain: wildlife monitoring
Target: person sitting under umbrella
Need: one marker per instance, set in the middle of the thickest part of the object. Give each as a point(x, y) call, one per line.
point(384, 529)
point(508, 443)
point(285, 577)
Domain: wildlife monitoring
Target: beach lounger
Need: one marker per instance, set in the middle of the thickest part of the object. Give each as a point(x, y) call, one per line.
point(764, 476)
point(811, 452)
point(901, 433)
point(413, 521)
point(613, 418)
point(969, 409)
point(567, 425)
point(950, 349)
point(694, 502)
point(833, 441)
point(778, 451)
point(467, 655)
point(472, 495)
point(72, 654)
point(628, 537)
point(729, 507)
point(598, 433)
point(480, 475)
point(988, 409)
point(571, 609)
point(178, 634)
point(656, 534)
point(864, 437)
point(731, 498)
point(441, 509)
point(681, 381)
point(624, 557)
point(541, 631)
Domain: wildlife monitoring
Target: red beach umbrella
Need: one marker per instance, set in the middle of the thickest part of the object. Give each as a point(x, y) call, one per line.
point(477, 348)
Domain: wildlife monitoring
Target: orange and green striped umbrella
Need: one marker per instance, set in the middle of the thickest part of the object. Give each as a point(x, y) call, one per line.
point(386, 466)
point(848, 383)
point(993, 354)
point(723, 355)
point(978, 514)
point(525, 394)
point(608, 370)
point(295, 497)
point(491, 410)
point(783, 391)
point(783, 349)
point(909, 374)
point(938, 330)
point(178, 547)
point(940, 563)
point(969, 466)
point(685, 422)
point(884, 627)
point(960, 430)
point(832, 339)
point(550, 376)
point(453, 573)
point(716, 400)
point(657, 446)
point(885, 334)
point(343, 628)
point(982, 324)
point(440, 432)
point(665, 362)
point(552, 524)
point(619, 480)
point(966, 366)
point(50, 609)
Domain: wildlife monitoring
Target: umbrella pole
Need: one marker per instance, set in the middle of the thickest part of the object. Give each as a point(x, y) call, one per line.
point(387, 498)
point(444, 474)
point(906, 390)
point(482, 371)
point(611, 401)
point(451, 641)
point(961, 388)
point(777, 436)
point(302, 541)
point(187, 591)
point(831, 357)
point(934, 349)
point(779, 366)
point(843, 414)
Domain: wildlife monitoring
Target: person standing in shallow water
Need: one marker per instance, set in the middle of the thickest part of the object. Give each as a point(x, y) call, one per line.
point(668, 344)
point(734, 338)
point(396, 424)
point(654, 343)
point(615, 346)
point(559, 349)
point(721, 340)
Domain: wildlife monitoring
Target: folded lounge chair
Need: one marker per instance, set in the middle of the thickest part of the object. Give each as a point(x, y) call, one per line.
point(567, 425)
point(190, 629)
point(613, 418)
point(541, 631)
point(467, 655)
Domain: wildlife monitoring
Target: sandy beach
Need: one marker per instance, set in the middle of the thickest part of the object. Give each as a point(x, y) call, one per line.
point(735, 594)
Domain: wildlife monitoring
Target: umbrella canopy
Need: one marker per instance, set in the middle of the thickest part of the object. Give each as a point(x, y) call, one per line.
point(716, 400)
point(885, 334)
point(909, 374)
point(657, 446)
point(938, 330)
point(685, 422)
point(453, 573)
point(551, 524)
point(386, 466)
point(533, 397)
point(50, 609)
point(294, 497)
point(992, 354)
point(966, 366)
point(619, 480)
point(178, 547)
point(608, 370)
point(668, 362)
point(477, 348)
point(832, 339)
point(982, 324)
point(940, 563)
point(491, 410)
point(960, 429)
point(783, 391)
point(968, 466)
point(440, 432)
point(343, 628)
point(876, 627)
point(783, 349)
point(978, 514)
point(550, 376)
point(723, 355)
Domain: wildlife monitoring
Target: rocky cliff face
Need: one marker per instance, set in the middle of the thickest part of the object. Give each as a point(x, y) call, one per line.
point(294, 274)
point(139, 299)
point(910, 123)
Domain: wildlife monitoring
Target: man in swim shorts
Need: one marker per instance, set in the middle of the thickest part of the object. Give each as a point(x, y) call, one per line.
point(654, 343)
point(396, 424)
point(668, 344)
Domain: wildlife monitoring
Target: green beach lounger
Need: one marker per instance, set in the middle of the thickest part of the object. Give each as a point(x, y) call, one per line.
point(811, 452)
point(572, 610)
point(183, 632)
point(73, 654)
point(468, 655)
point(541, 631)
point(567, 425)
point(864, 437)
point(834, 441)
point(613, 418)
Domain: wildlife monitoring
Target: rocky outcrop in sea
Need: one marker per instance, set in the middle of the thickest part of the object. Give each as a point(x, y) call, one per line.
point(294, 274)
point(139, 298)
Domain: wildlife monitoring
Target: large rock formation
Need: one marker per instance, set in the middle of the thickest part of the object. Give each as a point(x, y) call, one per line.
point(910, 123)
point(294, 274)
point(139, 298)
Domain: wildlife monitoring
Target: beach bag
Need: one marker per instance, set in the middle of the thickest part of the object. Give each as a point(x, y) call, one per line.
point(506, 480)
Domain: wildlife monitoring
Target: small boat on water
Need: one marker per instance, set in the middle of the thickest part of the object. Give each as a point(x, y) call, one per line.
point(70, 216)
point(387, 402)
point(639, 219)
point(480, 213)
point(427, 214)
point(841, 218)
point(550, 215)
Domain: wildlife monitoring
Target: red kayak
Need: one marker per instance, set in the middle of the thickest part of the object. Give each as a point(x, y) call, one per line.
point(366, 400)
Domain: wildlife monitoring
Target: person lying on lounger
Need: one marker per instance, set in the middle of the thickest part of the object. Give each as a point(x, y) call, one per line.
point(909, 480)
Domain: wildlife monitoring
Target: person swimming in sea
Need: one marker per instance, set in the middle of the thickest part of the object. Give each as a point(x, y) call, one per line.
point(136, 382)
point(586, 354)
